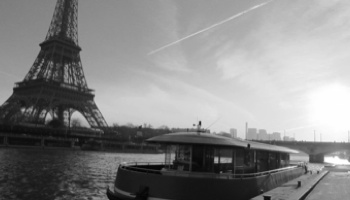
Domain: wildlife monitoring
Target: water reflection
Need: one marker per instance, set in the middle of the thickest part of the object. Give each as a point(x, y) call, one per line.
point(336, 160)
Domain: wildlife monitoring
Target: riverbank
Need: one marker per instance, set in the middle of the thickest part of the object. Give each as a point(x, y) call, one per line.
point(295, 189)
point(41, 142)
point(334, 186)
point(323, 181)
point(77, 148)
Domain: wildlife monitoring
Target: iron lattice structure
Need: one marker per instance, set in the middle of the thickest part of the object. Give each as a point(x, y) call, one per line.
point(55, 84)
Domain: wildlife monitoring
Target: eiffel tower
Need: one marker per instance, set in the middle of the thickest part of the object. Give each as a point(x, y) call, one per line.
point(55, 84)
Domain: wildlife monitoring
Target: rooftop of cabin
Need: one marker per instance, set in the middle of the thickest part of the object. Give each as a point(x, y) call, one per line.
point(201, 138)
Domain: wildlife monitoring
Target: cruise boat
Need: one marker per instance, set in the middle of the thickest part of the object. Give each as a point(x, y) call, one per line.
point(199, 165)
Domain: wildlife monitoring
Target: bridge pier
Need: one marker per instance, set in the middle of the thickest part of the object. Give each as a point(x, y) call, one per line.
point(316, 158)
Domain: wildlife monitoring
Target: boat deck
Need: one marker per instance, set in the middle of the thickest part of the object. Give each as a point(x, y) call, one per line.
point(291, 190)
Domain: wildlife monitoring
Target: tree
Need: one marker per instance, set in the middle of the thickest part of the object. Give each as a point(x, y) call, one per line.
point(76, 123)
point(130, 125)
point(164, 127)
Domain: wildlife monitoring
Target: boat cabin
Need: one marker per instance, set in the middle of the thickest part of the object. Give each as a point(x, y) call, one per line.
point(204, 152)
point(205, 166)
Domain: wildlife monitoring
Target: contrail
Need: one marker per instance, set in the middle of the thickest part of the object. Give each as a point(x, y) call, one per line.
point(210, 27)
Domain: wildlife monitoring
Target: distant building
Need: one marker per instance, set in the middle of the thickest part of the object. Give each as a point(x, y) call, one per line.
point(287, 138)
point(251, 134)
point(262, 135)
point(233, 132)
point(275, 136)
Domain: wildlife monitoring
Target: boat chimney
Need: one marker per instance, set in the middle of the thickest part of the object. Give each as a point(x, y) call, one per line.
point(199, 127)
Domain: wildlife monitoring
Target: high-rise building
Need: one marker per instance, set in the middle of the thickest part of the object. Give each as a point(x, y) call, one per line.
point(275, 136)
point(233, 132)
point(251, 134)
point(262, 135)
point(287, 138)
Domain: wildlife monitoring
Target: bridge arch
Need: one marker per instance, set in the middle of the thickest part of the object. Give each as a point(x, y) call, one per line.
point(315, 150)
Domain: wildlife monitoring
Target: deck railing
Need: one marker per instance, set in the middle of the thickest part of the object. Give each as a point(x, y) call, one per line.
point(145, 168)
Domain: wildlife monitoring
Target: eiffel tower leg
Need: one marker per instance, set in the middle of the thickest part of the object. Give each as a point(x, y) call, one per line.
point(11, 109)
point(40, 115)
point(60, 113)
point(20, 108)
point(93, 115)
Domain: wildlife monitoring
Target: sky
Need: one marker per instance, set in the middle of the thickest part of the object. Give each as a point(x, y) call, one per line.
point(278, 65)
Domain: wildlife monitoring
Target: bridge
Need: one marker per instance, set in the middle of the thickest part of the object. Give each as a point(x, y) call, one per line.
point(315, 150)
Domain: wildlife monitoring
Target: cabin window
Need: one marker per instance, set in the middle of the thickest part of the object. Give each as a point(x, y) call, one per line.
point(278, 160)
point(203, 159)
point(262, 158)
point(182, 160)
point(244, 161)
point(284, 159)
point(239, 157)
point(225, 162)
point(226, 156)
point(216, 156)
point(249, 158)
point(169, 155)
point(208, 164)
point(272, 160)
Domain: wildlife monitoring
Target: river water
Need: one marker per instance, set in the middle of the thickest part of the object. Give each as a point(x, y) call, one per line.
point(35, 174)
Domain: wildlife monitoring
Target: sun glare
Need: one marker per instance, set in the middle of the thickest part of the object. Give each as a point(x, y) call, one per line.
point(330, 107)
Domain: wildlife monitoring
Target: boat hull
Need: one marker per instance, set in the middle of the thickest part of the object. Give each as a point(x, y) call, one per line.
point(117, 196)
point(130, 184)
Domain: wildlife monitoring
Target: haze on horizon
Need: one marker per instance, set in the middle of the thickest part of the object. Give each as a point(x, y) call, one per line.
point(283, 66)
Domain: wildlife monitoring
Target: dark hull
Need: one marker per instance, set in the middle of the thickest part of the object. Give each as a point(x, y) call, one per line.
point(117, 196)
point(129, 183)
point(113, 196)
